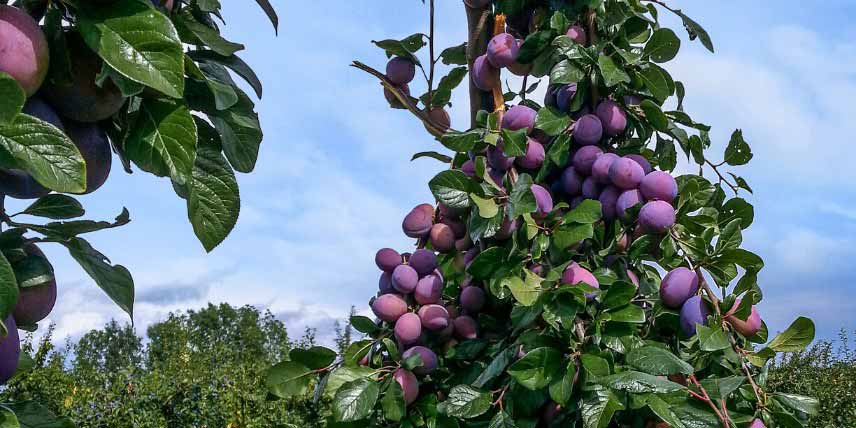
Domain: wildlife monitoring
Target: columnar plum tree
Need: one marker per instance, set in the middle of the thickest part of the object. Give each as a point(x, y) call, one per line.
point(80, 82)
point(533, 297)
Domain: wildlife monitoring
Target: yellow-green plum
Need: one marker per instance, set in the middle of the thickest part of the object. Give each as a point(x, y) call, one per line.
point(423, 261)
point(417, 223)
point(588, 130)
point(626, 173)
point(577, 34)
point(608, 200)
point(656, 217)
point(584, 159)
point(473, 299)
point(408, 328)
point(10, 350)
point(428, 290)
point(534, 156)
point(601, 165)
point(434, 317)
point(678, 286)
point(694, 311)
point(82, 100)
point(748, 327)
point(429, 359)
point(485, 75)
point(626, 200)
point(612, 116)
point(387, 259)
point(389, 307)
point(660, 186)
point(404, 279)
point(466, 327)
point(409, 384)
point(519, 117)
point(400, 70)
point(23, 49)
point(36, 301)
point(572, 181)
point(502, 50)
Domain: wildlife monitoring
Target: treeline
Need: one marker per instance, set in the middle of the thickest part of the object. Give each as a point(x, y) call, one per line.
point(206, 369)
point(202, 368)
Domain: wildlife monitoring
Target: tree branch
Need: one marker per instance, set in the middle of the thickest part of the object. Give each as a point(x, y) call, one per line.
point(477, 38)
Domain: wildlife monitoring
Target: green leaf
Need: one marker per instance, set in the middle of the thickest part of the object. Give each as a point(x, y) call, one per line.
point(619, 294)
point(465, 402)
point(393, 404)
point(730, 237)
point(433, 155)
point(551, 121)
point(32, 271)
point(13, 97)
point(461, 141)
point(800, 403)
point(487, 262)
point(737, 208)
point(455, 55)
point(443, 92)
point(738, 151)
point(403, 48)
point(656, 80)
point(525, 292)
point(314, 358)
point(70, 229)
point(8, 291)
point(638, 382)
point(270, 12)
point(137, 41)
point(657, 361)
point(655, 116)
point(55, 206)
point(663, 45)
point(667, 156)
point(629, 314)
point(31, 414)
point(712, 339)
point(566, 71)
point(496, 367)
point(453, 188)
point(795, 338)
point(612, 73)
point(748, 260)
point(588, 211)
point(163, 140)
point(115, 280)
point(355, 400)
point(45, 152)
point(344, 374)
point(214, 201)
point(207, 35)
point(487, 206)
point(597, 406)
point(514, 142)
point(537, 368)
point(234, 63)
point(533, 45)
point(560, 150)
point(695, 30)
point(522, 200)
point(8, 418)
point(570, 234)
point(562, 389)
point(502, 420)
point(363, 324)
point(287, 379)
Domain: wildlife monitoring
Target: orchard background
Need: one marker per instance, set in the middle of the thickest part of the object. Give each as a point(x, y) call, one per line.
point(326, 160)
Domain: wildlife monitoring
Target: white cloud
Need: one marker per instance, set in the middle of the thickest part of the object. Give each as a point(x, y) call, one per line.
point(805, 251)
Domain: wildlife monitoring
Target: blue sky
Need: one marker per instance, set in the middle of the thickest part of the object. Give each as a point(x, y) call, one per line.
point(334, 177)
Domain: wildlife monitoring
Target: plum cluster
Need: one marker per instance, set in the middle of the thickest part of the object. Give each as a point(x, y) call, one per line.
point(35, 303)
point(74, 107)
point(400, 72)
point(679, 290)
point(412, 297)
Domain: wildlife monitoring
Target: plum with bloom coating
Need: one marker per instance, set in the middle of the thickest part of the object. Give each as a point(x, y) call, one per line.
point(627, 200)
point(404, 279)
point(584, 159)
point(577, 34)
point(659, 186)
point(612, 116)
point(519, 117)
point(656, 217)
point(387, 259)
point(400, 70)
point(429, 290)
point(543, 201)
point(502, 50)
point(10, 350)
point(575, 274)
point(694, 311)
point(417, 223)
point(748, 327)
point(389, 307)
point(678, 286)
point(408, 328)
point(626, 173)
point(466, 327)
point(409, 384)
point(429, 359)
point(23, 49)
point(588, 130)
point(473, 299)
point(572, 181)
point(485, 75)
point(423, 261)
point(434, 317)
point(534, 156)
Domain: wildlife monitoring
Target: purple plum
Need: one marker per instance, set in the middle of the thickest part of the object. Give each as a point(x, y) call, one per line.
point(577, 34)
point(575, 274)
point(591, 188)
point(534, 157)
point(35, 302)
point(434, 317)
point(23, 49)
point(384, 284)
point(400, 70)
point(694, 311)
point(387, 259)
point(626, 173)
point(404, 279)
point(469, 168)
point(389, 307)
point(627, 200)
point(423, 261)
point(748, 327)
point(442, 237)
point(429, 359)
point(429, 290)
point(466, 327)
point(519, 117)
point(588, 130)
point(485, 75)
point(392, 100)
point(678, 286)
point(497, 159)
point(572, 181)
point(502, 50)
point(656, 217)
point(608, 200)
point(440, 117)
point(601, 166)
point(473, 299)
point(757, 423)
point(646, 166)
point(408, 328)
point(417, 223)
point(584, 159)
point(565, 95)
point(543, 201)
point(409, 384)
point(659, 186)
point(612, 116)
point(550, 96)
point(10, 350)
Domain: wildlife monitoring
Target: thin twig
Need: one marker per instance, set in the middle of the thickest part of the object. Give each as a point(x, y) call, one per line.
point(431, 53)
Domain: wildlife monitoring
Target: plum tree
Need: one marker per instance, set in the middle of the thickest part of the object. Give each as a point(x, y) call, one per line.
point(553, 224)
point(82, 99)
point(23, 49)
